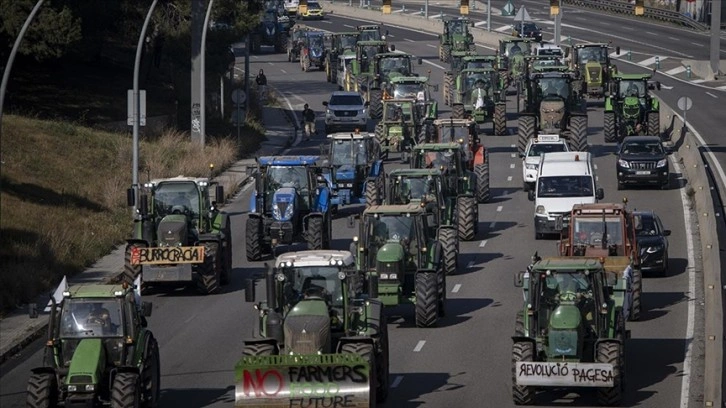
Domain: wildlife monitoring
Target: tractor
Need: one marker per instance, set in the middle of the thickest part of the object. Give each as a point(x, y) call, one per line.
point(363, 65)
point(291, 203)
point(356, 174)
point(401, 249)
point(312, 52)
point(553, 106)
point(295, 42)
point(630, 109)
point(596, 70)
point(99, 351)
point(270, 31)
point(384, 67)
point(478, 96)
point(570, 332)
point(456, 37)
point(370, 33)
point(344, 76)
point(462, 60)
point(341, 44)
point(607, 230)
point(418, 88)
point(476, 156)
point(512, 53)
point(179, 235)
point(401, 127)
point(318, 323)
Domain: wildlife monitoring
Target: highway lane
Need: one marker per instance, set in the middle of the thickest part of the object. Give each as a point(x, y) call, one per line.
point(466, 361)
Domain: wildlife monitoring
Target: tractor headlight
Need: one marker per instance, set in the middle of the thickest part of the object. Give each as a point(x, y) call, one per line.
point(72, 388)
point(662, 163)
point(90, 387)
point(389, 276)
point(623, 163)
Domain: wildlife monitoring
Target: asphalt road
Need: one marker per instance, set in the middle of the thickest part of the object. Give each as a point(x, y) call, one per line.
point(466, 361)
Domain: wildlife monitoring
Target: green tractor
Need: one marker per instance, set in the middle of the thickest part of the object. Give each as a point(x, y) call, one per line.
point(373, 84)
point(99, 350)
point(570, 331)
point(340, 44)
point(478, 96)
point(512, 62)
point(321, 339)
point(363, 67)
point(553, 106)
point(461, 60)
point(630, 109)
point(370, 32)
point(180, 234)
point(418, 88)
point(401, 247)
point(456, 37)
point(401, 127)
point(596, 70)
point(461, 184)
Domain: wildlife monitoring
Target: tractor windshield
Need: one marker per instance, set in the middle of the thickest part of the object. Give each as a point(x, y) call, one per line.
point(565, 186)
point(589, 231)
point(351, 152)
point(413, 91)
point(477, 64)
point(631, 88)
point(315, 41)
point(348, 41)
point(176, 197)
point(91, 317)
point(443, 160)
point(391, 228)
point(558, 87)
point(395, 64)
point(457, 27)
point(369, 35)
point(566, 286)
point(270, 16)
point(592, 54)
point(287, 176)
point(395, 112)
point(457, 134)
point(308, 281)
point(406, 189)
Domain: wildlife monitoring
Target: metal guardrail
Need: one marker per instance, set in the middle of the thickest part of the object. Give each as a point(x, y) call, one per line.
point(618, 6)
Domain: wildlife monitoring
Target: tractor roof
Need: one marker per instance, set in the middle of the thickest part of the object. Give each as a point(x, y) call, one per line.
point(598, 208)
point(395, 209)
point(447, 19)
point(371, 42)
point(415, 173)
point(315, 33)
point(399, 100)
point(287, 160)
point(592, 45)
point(567, 264)
point(383, 55)
point(94, 290)
point(454, 122)
point(351, 135)
point(180, 179)
point(437, 146)
point(404, 79)
point(367, 27)
point(631, 77)
point(477, 57)
point(346, 34)
point(552, 74)
point(478, 70)
point(315, 258)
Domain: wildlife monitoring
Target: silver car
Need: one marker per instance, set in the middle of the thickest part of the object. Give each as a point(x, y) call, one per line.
point(345, 111)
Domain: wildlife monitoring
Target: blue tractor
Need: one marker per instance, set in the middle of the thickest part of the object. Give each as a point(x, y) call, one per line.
point(272, 30)
point(355, 169)
point(291, 204)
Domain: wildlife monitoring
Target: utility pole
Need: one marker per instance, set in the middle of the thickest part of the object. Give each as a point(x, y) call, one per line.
point(715, 36)
point(203, 81)
point(196, 105)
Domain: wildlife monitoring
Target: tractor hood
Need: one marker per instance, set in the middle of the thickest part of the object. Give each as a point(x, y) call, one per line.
point(565, 317)
point(631, 107)
point(270, 27)
point(390, 252)
point(172, 230)
point(88, 363)
point(564, 331)
point(395, 131)
point(345, 172)
point(552, 111)
point(316, 52)
point(307, 328)
point(283, 203)
point(593, 72)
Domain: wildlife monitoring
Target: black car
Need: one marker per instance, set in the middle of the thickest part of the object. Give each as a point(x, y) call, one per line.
point(528, 30)
point(652, 242)
point(643, 160)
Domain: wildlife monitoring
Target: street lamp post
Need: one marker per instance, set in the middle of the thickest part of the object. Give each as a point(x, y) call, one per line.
point(202, 85)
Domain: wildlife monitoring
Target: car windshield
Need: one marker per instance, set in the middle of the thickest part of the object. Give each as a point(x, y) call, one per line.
point(270, 16)
point(590, 230)
point(343, 100)
point(287, 176)
point(538, 149)
point(631, 88)
point(529, 28)
point(395, 64)
point(350, 152)
point(408, 90)
point(181, 197)
point(642, 148)
point(565, 186)
point(554, 87)
point(648, 226)
point(313, 280)
point(90, 317)
point(314, 6)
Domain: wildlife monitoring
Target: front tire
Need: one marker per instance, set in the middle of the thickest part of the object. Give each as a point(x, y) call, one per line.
point(449, 249)
point(131, 271)
point(458, 111)
point(427, 293)
point(253, 237)
point(609, 127)
point(466, 218)
point(152, 376)
point(125, 392)
point(654, 124)
point(610, 353)
point(42, 391)
point(367, 352)
point(210, 271)
point(578, 131)
point(483, 192)
point(522, 394)
point(500, 119)
point(526, 131)
point(315, 233)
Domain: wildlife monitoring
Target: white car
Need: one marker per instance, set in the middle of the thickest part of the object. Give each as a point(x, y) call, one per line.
point(345, 111)
point(532, 153)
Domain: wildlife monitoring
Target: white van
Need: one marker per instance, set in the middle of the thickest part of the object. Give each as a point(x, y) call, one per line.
point(563, 180)
point(291, 6)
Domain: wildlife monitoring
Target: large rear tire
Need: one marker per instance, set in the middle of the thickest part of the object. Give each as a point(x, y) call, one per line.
point(500, 119)
point(483, 192)
point(209, 273)
point(522, 394)
point(525, 131)
point(449, 249)
point(637, 306)
point(151, 376)
point(578, 131)
point(314, 234)
point(376, 103)
point(126, 391)
point(466, 218)
point(609, 353)
point(367, 352)
point(258, 349)
point(253, 237)
point(427, 294)
point(382, 363)
point(373, 193)
point(131, 271)
point(446, 50)
point(42, 391)
point(609, 127)
point(227, 253)
point(457, 111)
point(653, 124)
point(448, 82)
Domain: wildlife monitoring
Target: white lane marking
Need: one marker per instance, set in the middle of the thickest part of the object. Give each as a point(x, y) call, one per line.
point(456, 288)
point(499, 209)
point(470, 264)
point(432, 45)
point(480, 23)
point(595, 166)
point(390, 35)
point(397, 381)
point(247, 187)
point(283, 71)
point(349, 26)
point(711, 95)
point(651, 61)
point(666, 87)
point(513, 146)
point(256, 56)
point(481, 244)
point(511, 166)
point(720, 87)
point(488, 47)
point(503, 29)
point(269, 63)
point(509, 178)
point(675, 38)
point(676, 70)
point(514, 155)
point(419, 346)
point(434, 64)
point(697, 44)
point(651, 33)
point(698, 81)
point(409, 40)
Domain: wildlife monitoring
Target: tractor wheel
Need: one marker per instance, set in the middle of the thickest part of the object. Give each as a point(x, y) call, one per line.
point(328, 73)
point(42, 391)
point(526, 131)
point(448, 79)
point(376, 103)
point(500, 119)
point(449, 249)
point(380, 134)
point(209, 272)
point(151, 376)
point(373, 193)
point(483, 193)
point(427, 304)
point(636, 306)
point(519, 324)
point(125, 392)
point(367, 352)
point(522, 394)
point(260, 349)
point(281, 43)
point(466, 218)
point(610, 353)
point(382, 363)
point(446, 49)
point(130, 271)
point(608, 127)
point(578, 131)
point(315, 233)
point(457, 111)
point(442, 293)
point(423, 133)
point(227, 254)
point(253, 238)
point(653, 123)
point(289, 56)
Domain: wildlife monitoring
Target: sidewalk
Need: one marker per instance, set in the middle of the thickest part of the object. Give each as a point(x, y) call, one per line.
point(18, 330)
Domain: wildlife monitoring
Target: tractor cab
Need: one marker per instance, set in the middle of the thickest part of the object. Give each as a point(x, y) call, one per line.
point(478, 87)
point(399, 111)
point(393, 65)
point(366, 52)
point(370, 33)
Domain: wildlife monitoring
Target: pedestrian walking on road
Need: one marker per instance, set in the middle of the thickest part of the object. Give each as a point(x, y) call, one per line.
point(308, 121)
point(261, 81)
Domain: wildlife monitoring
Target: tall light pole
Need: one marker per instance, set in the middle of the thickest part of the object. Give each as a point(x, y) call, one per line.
point(203, 83)
point(9, 65)
point(137, 104)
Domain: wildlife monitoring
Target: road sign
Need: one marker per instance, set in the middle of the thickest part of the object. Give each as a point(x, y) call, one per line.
point(685, 103)
point(239, 96)
point(130, 107)
point(508, 9)
point(522, 15)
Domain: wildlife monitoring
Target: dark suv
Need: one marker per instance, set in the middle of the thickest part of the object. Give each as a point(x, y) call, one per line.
point(528, 30)
point(652, 242)
point(643, 160)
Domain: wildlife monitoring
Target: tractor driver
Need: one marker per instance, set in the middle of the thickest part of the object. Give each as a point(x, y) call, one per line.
point(478, 94)
point(101, 316)
point(380, 233)
point(181, 203)
point(292, 178)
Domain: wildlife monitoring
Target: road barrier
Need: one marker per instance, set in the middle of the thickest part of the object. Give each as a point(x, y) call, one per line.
point(622, 7)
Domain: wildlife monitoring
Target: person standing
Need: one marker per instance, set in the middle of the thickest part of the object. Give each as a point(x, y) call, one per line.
point(261, 81)
point(308, 122)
